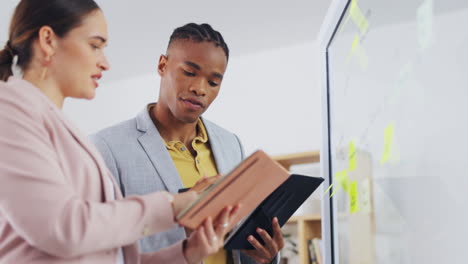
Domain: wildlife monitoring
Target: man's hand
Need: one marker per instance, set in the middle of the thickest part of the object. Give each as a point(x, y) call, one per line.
point(265, 254)
point(204, 183)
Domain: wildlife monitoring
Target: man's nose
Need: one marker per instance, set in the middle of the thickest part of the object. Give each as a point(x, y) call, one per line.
point(199, 87)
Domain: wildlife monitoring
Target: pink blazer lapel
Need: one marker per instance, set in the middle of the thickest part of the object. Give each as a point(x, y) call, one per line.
point(95, 155)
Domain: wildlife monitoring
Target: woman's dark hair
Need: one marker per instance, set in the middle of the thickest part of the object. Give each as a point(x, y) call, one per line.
point(28, 18)
point(200, 33)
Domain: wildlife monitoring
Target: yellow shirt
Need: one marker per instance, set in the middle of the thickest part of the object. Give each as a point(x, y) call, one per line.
point(191, 169)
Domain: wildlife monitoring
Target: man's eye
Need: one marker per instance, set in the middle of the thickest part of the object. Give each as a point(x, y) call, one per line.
point(212, 84)
point(190, 74)
point(94, 46)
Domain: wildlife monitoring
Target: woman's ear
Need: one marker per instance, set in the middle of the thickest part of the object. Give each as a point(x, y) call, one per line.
point(47, 43)
point(162, 64)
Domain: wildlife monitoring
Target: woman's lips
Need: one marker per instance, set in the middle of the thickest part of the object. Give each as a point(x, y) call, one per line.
point(95, 79)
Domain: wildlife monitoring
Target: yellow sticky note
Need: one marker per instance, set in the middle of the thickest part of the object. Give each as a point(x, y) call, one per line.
point(352, 160)
point(356, 49)
point(343, 180)
point(354, 197)
point(388, 143)
point(356, 44)
point(358, 17)
point(328, 189)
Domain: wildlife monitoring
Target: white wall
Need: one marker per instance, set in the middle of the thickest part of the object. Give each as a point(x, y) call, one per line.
point(270, 99)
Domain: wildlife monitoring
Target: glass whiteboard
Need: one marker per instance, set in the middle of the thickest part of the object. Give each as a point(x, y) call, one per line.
point(396, 119)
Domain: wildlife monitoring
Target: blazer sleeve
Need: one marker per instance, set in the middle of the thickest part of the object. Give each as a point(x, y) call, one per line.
point(172, 254)
point(38, 202)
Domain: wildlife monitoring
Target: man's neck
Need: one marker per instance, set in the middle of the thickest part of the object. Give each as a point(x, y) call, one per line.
point(172, 129)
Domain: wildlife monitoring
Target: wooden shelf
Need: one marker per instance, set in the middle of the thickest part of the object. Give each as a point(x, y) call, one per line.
point(298, 218)
point(297, 158)
point(308, 227)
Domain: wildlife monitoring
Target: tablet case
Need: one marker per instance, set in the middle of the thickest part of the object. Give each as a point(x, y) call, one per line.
point(282, 203)
point(248, 184)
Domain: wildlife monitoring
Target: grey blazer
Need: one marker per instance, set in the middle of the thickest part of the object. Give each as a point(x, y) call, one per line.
point(137, 157)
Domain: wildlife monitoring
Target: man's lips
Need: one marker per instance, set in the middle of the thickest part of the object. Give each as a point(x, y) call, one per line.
point(194, 102)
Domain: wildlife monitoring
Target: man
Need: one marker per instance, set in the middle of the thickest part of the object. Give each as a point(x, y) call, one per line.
point(168, 146)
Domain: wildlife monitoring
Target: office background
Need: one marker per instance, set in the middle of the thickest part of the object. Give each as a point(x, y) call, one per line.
point(270, 95)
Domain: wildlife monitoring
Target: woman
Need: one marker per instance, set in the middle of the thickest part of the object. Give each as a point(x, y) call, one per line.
point(58, 201)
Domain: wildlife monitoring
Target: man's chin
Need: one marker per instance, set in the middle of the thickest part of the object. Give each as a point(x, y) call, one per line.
point(189, 119)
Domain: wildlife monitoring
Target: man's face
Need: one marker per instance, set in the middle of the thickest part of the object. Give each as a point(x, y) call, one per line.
point(191, 76)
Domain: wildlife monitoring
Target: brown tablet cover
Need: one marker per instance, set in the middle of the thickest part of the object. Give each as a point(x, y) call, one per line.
point(248, 184)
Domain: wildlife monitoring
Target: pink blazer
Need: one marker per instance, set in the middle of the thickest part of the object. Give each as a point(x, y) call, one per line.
point(55, 198)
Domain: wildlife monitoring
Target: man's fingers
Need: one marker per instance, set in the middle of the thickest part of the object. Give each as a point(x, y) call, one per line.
point(277, 235)
point(217, 177)
point(261, 250)
point(204, 182)
point(270, 244)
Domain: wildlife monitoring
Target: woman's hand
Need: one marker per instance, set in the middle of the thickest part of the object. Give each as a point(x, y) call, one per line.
point(208, 238)
point(182, 200)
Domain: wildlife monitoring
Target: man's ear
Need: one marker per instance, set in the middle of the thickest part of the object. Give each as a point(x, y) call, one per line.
point(162, 65)
point(47, 42)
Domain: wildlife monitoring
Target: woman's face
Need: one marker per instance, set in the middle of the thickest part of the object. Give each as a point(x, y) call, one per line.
point(79, 60)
